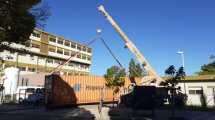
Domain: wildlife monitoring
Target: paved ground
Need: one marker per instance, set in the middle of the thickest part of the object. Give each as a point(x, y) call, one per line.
point(90, 112)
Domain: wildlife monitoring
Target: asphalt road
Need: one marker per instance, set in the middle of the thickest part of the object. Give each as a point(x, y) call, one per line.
point(90, 112)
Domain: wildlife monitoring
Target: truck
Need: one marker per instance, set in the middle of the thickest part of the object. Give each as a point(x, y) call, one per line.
point(149, 94)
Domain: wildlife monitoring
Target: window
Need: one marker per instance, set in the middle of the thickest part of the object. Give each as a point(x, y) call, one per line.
point(73, 53)
point(84, 56)
point(74, 65)
point(8, 57)
point(59, 51)
point(199, 91)
point(84, 49)
point(58, 61)
point(192, 92)
point(36, 34)
point(60, 41)
point(35, 45)
point(87, 67)
point(22, 54)
point(11, 65)
point(195, 92)
point(49, 60)
point(73, 45)
point(67, 43)
point(79, 47)
point(88, 58)
point(79, 55)
point(41, 58)
point(31, 69)
point(66, 52)
point(51, 49)
point(22, 68)
point(82, 66)
point(52, 39)
point(89, 50)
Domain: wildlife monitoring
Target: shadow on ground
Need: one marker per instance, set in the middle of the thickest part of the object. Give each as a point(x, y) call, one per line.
point(129, 114)
point(44, 114)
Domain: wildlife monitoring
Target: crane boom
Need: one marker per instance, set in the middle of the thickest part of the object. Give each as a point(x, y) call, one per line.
point(152, 75)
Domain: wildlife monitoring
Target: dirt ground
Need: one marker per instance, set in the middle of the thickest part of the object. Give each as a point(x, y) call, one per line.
point(90, 112)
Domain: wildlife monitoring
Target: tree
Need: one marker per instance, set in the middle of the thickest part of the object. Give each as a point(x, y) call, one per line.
point(173, 75)
point(173, 79)
point(208, 69)
point(18, 18)
point(115, 78)
point(135, 69)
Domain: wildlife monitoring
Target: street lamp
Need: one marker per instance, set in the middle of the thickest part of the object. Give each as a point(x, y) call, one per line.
point(182, 57)
point(98, 31)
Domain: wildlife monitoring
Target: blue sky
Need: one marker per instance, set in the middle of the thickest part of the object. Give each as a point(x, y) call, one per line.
point(159, 28)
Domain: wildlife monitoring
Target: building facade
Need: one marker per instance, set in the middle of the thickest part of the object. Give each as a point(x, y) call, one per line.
point(200, 90)
point(43, 52)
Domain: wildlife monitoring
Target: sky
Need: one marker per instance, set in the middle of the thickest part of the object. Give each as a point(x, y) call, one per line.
point(159, 28)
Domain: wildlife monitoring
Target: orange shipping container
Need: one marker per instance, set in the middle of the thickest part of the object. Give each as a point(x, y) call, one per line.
point(73, 90)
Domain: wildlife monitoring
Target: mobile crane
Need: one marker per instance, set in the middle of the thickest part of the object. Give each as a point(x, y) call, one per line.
point(152, 76)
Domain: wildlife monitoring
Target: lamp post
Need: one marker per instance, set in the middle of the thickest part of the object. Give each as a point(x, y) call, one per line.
point(181, 53)
point(98, 32)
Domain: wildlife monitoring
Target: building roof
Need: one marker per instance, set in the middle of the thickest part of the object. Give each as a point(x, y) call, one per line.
point(200, 77)
point(74, 41)
point(197, 78)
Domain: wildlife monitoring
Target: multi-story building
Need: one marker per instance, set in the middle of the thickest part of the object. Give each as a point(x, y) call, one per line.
point(44, 52)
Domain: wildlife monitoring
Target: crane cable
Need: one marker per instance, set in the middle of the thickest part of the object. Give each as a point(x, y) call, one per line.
point(73, 55)
point(115, 58)
point(110, 51)
point(87, 44)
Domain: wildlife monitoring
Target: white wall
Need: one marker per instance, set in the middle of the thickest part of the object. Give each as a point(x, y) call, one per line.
point(33, 60)
point(194, 99)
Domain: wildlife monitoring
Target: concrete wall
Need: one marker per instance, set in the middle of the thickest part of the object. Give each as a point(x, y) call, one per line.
point(36, 79)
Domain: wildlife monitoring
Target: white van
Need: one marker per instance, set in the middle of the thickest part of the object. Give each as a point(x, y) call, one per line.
point(23, 92)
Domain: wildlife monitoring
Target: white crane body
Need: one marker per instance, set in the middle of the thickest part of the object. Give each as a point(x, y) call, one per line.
point(151, 74)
